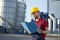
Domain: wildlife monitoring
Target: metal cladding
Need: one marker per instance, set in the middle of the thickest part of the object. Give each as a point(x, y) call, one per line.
point(8, 11)
point(54, 7)
point(13, 11)
point(20, 13)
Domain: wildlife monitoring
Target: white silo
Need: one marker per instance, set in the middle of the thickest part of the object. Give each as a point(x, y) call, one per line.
point(7, 11)
point(20, 15)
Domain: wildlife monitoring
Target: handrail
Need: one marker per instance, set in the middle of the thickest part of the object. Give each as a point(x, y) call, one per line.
point(8, 22)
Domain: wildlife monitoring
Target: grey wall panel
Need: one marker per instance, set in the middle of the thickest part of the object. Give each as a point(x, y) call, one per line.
point(54, 8)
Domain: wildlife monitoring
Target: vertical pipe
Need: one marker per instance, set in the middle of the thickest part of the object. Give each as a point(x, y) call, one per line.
point(47, 6)
point(54, 24)
point(58, 23)
point(54, 21)
point(50, 24)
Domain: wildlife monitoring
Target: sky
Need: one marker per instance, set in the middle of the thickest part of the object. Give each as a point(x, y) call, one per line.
point(41, 4)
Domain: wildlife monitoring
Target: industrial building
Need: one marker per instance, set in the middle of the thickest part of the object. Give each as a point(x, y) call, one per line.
point(7, 11)
point(20, 15)
point(54, 14)
point(12, 12)
point(54, 7)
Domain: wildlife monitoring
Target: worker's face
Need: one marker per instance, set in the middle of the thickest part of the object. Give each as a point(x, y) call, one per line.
point(36, 14)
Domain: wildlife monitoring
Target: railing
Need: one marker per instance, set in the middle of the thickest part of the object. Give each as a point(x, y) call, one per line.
point(13, 26)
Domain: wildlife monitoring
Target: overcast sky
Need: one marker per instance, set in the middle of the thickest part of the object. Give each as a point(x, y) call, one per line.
point(41, 4)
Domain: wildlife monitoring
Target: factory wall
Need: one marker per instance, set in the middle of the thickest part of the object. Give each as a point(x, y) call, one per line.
point(8, 11)
point(54, 7)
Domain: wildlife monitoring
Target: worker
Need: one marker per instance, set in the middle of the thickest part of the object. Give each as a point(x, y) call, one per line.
point(41, 23)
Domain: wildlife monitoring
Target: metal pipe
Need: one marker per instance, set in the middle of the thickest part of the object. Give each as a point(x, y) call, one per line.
point(54, 21)
point(50, 24)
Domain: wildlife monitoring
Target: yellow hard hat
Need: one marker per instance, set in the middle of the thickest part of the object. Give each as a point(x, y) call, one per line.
point(34, 9)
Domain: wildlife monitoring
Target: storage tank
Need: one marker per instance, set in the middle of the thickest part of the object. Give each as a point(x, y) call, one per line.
point(20, 15)
point(7, 11)
point(54, 7)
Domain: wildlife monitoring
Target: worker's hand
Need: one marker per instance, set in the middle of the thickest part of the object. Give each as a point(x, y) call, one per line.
point(39, 31)
point(25, 32)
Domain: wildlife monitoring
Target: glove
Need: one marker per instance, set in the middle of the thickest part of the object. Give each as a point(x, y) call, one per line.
point(39, 31)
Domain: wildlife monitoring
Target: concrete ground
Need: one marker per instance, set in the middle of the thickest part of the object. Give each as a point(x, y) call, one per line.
point(26, 37)
point(53, 37)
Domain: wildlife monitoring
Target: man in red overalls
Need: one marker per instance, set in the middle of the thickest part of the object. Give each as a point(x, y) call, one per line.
point(41, 23)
